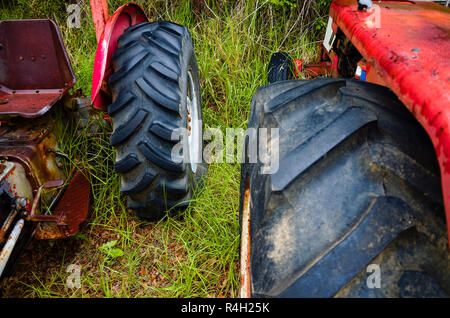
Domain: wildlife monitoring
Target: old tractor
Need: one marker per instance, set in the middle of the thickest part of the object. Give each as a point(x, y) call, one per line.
point(360, 202)
point(35, 78)
point(145, 76)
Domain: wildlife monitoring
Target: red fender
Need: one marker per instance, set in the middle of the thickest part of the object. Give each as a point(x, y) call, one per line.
point(126, 16)
point(410, 53)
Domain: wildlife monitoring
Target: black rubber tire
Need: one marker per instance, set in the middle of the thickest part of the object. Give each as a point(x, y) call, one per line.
point(358, 183)
point(149, 89)
point(281, 68)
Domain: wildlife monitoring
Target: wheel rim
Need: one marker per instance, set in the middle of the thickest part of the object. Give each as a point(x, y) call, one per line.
point(193, 122)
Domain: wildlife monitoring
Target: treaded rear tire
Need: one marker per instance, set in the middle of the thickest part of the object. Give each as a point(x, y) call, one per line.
point(358, 183)
point(149, 89)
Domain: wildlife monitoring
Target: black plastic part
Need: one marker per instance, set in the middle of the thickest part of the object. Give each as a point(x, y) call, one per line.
point(149, 88)
point(281, 68)
point(358, 183)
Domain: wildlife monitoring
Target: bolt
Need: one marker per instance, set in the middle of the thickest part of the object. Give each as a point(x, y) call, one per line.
point(21, 202)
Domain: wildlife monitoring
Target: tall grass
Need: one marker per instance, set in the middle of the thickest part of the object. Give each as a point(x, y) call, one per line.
point(195, 255)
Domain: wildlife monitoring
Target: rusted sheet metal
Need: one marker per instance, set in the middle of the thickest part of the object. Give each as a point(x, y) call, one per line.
point(6, 225)
point(245, 291)
point(27, 103)
point(71, 211)
point(124, 17)
point(15, 181)
point(5, 169)
point(34, 68)
point(33, 145)
point(409, 47)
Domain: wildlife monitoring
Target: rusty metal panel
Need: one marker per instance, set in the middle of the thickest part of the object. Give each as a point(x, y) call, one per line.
point(245, 290)
point(34, 68)
point(32, 143)
point(71, 211)
point(15, 181)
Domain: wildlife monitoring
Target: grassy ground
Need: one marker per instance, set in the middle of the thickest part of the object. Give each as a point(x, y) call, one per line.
point(195, 255)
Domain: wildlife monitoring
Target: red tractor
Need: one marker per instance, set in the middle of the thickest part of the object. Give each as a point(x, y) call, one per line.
point(145, 76)
point(360, 202)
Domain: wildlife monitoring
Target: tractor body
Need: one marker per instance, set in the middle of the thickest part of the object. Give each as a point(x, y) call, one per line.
point(35, 79)
point(403, 45)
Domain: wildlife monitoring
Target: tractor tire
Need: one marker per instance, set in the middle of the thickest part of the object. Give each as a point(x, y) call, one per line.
point(355, 208)
point(154, 85)
point(281, 68)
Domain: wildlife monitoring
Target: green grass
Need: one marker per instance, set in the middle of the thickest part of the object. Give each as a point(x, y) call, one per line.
point(196, 254)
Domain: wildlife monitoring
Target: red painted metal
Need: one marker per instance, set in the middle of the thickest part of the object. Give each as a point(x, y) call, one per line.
point(32, 144)
point(321, 68)
point(326, 65)
point(126, 16)
point(410, 52)
point(34, 68)
point(100, 15)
